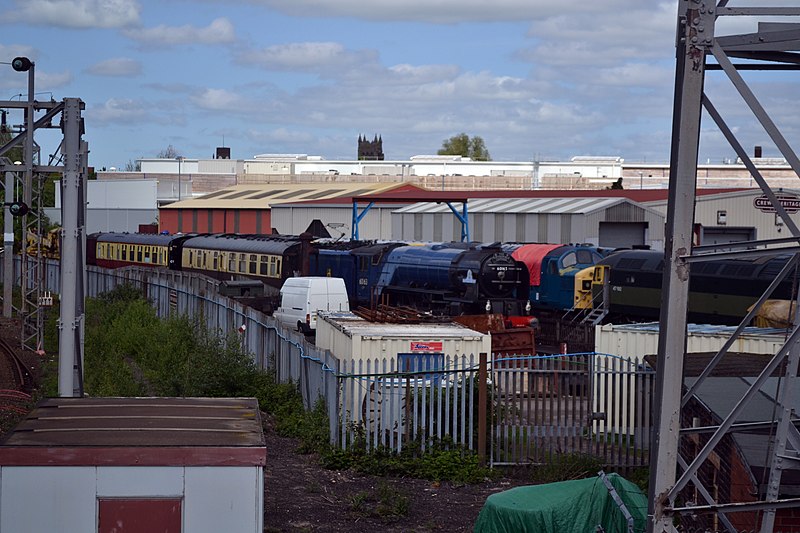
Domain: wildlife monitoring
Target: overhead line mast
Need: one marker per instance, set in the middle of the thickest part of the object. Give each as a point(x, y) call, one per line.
point(772, 47)
point(72, 163)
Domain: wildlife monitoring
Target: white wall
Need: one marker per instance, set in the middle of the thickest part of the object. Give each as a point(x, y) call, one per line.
point(63, 499)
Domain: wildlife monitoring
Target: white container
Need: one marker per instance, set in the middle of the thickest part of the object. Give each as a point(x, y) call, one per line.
point(614, 344)
point(351, 338)
point(638, 340)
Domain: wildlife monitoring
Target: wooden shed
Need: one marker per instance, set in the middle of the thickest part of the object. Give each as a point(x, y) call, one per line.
point(135, 465)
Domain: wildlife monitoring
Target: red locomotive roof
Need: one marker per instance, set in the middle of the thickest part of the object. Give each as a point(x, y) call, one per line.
point(531, 255)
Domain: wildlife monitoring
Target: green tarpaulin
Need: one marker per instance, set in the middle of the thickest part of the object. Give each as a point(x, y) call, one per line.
point(578, 506)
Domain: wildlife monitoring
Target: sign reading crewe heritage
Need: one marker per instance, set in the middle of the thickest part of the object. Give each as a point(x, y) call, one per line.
point(789, 202)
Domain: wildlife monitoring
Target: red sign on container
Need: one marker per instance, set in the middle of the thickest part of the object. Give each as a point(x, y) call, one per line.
point(427, 346)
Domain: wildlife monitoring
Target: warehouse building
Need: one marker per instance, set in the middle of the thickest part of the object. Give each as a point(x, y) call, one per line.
point(248, 208)
point(612, 221)
point(739, 215)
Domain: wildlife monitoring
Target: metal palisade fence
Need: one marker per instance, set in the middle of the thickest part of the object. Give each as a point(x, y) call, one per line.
point(509, 409)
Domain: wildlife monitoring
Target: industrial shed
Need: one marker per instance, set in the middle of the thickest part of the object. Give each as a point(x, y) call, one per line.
point(248, 208)
point(135, 464)
point(604, 221)
point(739, 215)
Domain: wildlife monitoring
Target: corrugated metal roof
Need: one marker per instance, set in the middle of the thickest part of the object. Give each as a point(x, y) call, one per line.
point(153, 431)
point(262, 196)
point(524, 205)
point(350, 324)
point(701, 329)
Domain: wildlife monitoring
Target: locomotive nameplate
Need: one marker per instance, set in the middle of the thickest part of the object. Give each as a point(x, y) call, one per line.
point(790, 203)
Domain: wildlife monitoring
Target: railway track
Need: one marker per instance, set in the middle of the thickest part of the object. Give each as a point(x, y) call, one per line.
point(20, 373)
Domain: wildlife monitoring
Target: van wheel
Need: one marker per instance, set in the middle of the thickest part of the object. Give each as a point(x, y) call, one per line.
point(300, 327)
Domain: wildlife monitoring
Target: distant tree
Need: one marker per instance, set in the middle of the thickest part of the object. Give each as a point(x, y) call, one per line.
point(168, 153)
point(133, 166)
point(462, 144)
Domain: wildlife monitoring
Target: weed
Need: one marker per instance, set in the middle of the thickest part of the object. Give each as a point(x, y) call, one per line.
point(383, 502)
point(568, 466)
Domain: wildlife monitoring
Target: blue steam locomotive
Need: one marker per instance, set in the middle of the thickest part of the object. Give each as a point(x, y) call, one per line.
point(444, 278)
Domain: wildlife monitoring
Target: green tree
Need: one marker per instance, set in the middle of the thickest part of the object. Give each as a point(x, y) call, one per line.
point(463, 145)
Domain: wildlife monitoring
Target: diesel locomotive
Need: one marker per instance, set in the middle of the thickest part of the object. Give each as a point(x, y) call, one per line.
point(720, 291)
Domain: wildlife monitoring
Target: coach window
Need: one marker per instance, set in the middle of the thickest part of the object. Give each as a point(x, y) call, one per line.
point(242, 263)
point(139, 254)
point(232, 263)
point(274, 267)
point(263, 265)
point(122, 252)
point(215, 261)
point(146, 254)
point(253, 263)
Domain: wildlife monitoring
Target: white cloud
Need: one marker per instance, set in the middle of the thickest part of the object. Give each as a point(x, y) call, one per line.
point(220, 31)
point(423, 74)
point(643, 31)
point(118, 66)
point(308, 57)
point(119, 110)
point(79, 14)
point(439, 11)
point(220, 100)
point(49, 81)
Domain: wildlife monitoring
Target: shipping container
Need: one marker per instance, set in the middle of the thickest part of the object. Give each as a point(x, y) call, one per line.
point(351, 338)
point(618, 368)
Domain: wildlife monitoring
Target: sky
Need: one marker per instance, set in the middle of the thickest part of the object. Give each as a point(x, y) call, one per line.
point(536, 79)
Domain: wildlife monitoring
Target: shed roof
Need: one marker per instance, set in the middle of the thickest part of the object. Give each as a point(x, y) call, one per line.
point(138, 432)
point(351, 324)
point(574, 206)
point(264, 195)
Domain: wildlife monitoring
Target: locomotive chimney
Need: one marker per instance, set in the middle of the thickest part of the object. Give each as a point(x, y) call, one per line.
point(305, 253)
point(757, 152)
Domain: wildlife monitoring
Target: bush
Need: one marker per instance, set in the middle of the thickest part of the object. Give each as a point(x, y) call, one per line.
point(129, 351)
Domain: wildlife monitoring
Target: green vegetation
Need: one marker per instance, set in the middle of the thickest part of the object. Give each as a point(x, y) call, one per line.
point(441, 461)
point(382, 502)
point(566, 467)
point(129, 351)
point(462, 144)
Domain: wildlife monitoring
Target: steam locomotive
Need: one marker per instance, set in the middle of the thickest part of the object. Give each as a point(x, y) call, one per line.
point(445, 278)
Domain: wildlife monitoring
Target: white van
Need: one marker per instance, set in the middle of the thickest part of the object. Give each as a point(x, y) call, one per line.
point(303, 297)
